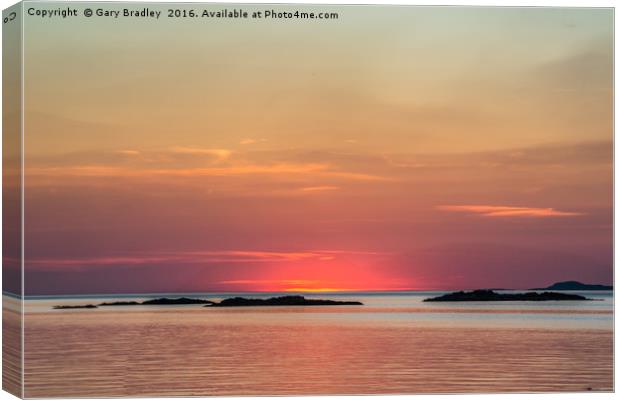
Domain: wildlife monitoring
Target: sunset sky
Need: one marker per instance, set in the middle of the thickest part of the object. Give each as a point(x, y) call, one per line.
point(393, 148)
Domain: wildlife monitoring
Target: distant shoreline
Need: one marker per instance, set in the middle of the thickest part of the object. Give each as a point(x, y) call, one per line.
point(229, 302)
point(567, 286)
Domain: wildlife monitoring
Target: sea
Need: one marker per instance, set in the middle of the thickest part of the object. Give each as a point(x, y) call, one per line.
point(395, 343)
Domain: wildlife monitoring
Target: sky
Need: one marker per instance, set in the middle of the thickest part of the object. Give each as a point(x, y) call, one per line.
point(395, 148)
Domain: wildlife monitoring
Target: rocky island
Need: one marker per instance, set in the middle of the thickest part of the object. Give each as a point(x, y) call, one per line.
point(154, 302)
point(489, 295)
point(182, 300)
point(73, 307)
point(281, 301)
point(121, 303)
point(159, 302)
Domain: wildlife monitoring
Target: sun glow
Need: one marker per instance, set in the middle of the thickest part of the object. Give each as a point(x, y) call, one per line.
point(318, 290)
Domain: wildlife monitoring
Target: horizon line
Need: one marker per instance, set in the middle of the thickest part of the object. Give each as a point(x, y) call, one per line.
point(284, 292)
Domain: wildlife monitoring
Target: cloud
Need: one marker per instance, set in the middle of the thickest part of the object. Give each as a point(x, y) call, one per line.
point(119, 171)
point(129, 152)
point(507, 211)
point(190, 257)
point(555, 170)
point(220, 154)
point(317, 169)
point(247, 141)
point(319, 188)
point(287, 285)
point(268, 282)
point(590, 69)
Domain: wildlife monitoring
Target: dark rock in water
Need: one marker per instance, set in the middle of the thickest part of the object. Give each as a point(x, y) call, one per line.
point(72, 307)
point(489, 295)
point(161, 301)
point(282, 301)
point(182, 300)
point(121, 303)
point(574, 285)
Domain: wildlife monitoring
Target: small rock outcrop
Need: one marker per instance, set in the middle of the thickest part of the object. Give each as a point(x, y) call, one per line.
point(73, 307)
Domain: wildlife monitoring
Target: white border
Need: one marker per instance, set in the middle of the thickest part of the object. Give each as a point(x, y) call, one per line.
point(514, 3)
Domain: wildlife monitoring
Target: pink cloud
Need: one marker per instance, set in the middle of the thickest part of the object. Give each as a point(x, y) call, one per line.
point(269, 282)
point(507, 211)
point(190, 257)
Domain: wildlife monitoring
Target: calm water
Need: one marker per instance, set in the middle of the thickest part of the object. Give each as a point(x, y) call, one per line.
point(395, 343)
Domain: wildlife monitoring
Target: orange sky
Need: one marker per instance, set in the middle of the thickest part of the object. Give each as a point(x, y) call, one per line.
point(395, 148)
